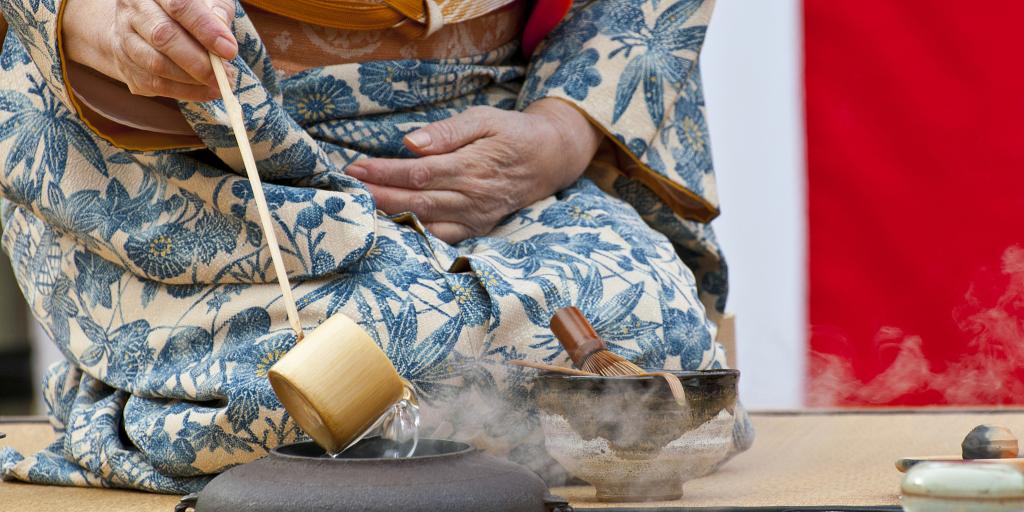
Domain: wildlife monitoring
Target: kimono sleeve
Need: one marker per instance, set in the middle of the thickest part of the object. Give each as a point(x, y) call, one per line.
point(36, 24)
point(630, 66)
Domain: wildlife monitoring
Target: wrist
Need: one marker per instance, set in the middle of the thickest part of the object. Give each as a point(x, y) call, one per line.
point(578, 139)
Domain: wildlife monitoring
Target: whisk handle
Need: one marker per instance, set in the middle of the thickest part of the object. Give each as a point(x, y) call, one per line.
point(576, 335)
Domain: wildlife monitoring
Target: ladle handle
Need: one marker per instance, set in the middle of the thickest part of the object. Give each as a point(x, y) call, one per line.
point(234, 110)
point(576, 334)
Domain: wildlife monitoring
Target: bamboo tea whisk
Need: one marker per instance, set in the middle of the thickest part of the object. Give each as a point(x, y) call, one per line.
point(587, 350)
point(591, 356)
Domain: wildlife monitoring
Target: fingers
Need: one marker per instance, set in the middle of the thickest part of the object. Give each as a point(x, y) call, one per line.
point(165, 35)
point(424, 173)
point(450, 216)
point(184, 92)
point(429, 206)
point(450, 232)
point(208, 21)
point(145, 84)
point(145, 57)
point(455, 132)
point(154, 77)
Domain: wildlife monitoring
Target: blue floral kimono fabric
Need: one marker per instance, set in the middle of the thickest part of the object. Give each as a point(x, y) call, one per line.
point(149, 271)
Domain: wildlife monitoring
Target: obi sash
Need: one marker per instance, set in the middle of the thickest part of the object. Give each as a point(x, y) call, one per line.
point(416, 18)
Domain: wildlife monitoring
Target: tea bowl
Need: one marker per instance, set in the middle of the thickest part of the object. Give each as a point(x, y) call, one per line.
point(629, 438)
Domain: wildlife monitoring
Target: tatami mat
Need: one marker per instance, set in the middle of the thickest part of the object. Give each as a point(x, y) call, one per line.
point(819, 459)
point(31, 437)
point(797, 460)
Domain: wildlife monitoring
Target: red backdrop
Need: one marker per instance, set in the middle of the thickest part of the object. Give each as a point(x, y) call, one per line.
point(915, 155)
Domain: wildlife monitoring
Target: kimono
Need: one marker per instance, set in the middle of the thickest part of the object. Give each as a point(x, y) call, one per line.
point(149, 271)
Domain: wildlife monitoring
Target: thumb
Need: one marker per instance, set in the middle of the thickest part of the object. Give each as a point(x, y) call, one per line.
point(208, 21)
point(450, 134)
point(224, 10)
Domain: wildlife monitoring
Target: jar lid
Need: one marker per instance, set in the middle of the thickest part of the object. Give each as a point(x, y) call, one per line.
point(979, 480)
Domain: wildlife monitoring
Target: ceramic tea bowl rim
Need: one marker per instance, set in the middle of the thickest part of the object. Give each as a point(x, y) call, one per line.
point(464, 449)
point(682, 374)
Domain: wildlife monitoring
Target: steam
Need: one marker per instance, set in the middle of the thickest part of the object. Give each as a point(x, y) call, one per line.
point(629, 439)
point(501, 421)
point(989, 374)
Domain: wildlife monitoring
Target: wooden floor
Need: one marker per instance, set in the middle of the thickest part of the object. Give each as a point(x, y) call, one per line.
point(797, 460)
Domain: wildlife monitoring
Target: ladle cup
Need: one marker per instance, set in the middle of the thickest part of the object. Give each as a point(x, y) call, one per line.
point(337, 384)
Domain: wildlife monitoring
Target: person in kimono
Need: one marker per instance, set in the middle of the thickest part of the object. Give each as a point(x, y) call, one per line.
point(447, 173)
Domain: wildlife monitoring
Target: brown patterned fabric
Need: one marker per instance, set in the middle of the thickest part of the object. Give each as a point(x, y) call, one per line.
point(296, 46)
point(415, 17)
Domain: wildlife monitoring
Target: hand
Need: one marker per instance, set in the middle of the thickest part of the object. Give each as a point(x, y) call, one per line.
point(156, 47)
point(478, 166)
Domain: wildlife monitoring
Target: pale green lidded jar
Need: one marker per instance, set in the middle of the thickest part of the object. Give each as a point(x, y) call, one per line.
point(963, 487)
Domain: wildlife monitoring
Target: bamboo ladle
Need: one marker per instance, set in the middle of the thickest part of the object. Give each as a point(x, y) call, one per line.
point(335, 382)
